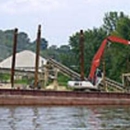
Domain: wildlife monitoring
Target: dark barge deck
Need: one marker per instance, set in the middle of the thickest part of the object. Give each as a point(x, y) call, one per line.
point(38, 97)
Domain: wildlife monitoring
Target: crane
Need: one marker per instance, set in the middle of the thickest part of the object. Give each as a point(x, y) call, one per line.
point(91, 83)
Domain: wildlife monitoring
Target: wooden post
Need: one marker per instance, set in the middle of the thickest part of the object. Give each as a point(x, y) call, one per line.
point(13, 58)
point(81, 41)
point(37, 56)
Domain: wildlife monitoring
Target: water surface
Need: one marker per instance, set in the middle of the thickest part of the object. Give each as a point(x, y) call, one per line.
point(64, 118)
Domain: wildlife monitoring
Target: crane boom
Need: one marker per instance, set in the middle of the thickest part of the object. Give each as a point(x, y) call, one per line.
point(97, 58)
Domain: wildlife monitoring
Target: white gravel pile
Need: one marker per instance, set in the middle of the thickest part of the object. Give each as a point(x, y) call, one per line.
point(24, 59)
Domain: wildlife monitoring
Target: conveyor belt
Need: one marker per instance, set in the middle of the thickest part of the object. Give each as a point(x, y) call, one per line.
point(113, 85)
point(65, 70)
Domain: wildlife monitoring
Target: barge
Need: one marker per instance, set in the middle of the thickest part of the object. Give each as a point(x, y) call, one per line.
point(40, 97)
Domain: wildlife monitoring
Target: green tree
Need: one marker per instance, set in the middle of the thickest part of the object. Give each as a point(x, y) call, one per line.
point(23, 41)
point(66, 56)
point(110, 21)
point(43, 45)
point(120, 54)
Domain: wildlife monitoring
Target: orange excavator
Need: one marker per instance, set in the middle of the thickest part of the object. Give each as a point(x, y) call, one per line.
point(95, 76)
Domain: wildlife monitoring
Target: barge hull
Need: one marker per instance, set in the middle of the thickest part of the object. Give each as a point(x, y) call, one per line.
point(36, 97)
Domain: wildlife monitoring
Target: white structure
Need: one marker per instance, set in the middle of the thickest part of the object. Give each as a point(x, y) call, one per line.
point(24, 60)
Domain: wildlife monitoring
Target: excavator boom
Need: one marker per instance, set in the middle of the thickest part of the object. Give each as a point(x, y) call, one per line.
point(99, 54)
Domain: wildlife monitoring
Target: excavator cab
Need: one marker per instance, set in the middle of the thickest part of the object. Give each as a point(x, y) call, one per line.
point(97, 77)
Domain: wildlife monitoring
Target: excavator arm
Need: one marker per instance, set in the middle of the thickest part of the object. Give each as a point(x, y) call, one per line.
point(99, 54)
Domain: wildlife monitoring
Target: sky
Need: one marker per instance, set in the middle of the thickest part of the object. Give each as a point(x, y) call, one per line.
point(59, 19)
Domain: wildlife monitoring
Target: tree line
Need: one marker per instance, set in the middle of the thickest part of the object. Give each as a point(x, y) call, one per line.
point(116, 56)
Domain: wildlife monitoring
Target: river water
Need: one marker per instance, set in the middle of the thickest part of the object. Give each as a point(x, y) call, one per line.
point(64, 118)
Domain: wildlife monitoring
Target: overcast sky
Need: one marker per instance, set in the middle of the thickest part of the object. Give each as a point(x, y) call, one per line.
point(59, 18)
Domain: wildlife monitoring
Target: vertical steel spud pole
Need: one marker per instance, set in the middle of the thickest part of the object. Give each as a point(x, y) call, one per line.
point(81, 41)
point(37, 56)
point(14, 57)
